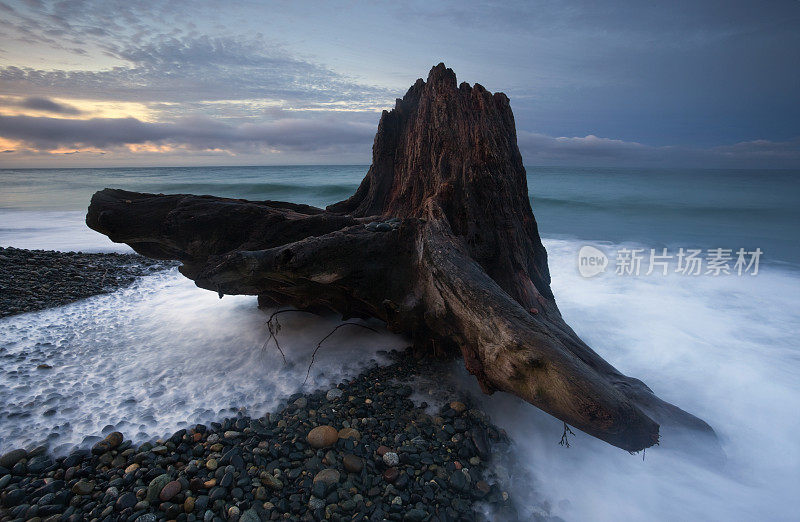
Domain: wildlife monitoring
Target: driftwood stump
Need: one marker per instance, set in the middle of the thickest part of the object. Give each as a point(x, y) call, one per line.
point(439, 241)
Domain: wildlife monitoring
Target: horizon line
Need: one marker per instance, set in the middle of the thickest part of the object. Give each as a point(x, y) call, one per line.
point(605, 167)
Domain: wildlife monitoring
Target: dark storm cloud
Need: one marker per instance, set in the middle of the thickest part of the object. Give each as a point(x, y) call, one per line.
point(707, 82)
point(327, 134)
point(43, 104)
point(691, 73)
point(323, 134)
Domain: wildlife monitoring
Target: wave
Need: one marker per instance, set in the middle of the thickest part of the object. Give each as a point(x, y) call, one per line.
point(646, 205)
point(721, 348)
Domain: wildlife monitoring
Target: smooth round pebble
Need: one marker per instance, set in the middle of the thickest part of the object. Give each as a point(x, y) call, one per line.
point(390, 458)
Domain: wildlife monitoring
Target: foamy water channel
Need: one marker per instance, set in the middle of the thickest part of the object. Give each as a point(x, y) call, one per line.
point(156, 357)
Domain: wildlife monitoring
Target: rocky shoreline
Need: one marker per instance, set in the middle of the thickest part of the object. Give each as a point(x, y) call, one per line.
point(361, 451)
point(33, 280)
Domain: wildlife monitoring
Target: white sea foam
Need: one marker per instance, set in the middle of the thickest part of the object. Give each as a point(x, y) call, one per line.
point(63, 230)
point(158, 356)
point(723, 348)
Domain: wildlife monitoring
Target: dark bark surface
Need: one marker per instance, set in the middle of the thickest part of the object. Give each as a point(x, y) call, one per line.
point(439, 241)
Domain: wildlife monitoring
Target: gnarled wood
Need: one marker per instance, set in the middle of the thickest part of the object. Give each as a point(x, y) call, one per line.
point(456, 262)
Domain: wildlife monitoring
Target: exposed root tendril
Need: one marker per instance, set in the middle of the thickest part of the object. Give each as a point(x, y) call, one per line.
point(564, 439)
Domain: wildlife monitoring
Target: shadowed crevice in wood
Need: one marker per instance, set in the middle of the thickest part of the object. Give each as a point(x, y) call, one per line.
point(456, 262)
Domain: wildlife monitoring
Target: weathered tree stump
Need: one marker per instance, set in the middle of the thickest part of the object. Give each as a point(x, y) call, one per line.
point(439, 241)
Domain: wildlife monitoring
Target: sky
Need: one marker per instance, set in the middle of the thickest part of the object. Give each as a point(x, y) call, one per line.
point(619, 83)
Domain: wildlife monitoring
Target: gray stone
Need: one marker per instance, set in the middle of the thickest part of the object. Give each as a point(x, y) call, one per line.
point(155, 487)
point(83, 487)
point(333, 394)
point(415, 515)
point(352, 463)
point(327, 476)
point(390, 458)
point(270, 481)
point(458, 480)
point(12, 457)
point(126, 500)
point(249, 515)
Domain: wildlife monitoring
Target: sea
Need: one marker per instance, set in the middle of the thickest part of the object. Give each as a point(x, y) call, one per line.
point(688, 279)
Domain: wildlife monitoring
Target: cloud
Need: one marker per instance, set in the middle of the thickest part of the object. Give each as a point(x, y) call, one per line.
point(46, 105)
point(324, 134)
point(351, 137)
point(200, 68)
point(540, 149)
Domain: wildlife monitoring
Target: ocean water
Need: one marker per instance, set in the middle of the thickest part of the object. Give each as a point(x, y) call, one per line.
point(151, 358)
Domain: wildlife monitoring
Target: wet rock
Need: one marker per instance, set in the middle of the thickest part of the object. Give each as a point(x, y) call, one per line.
point(9, 459)
point(270, 481)
point(352, 463)
point(458, 480)
point(481, 441)
point(390, 475)
point(382, 450)
point(327, 476)
point(333, 394)
point(349, 433)
point(315, 503)
point(249, 515)
point(111, 441)
point(322, 437)
point(415, 515)
point(390, 458)
point(125, 501)
point(83, 487)
point(330, 459)
point(155, 487)
point(458, 407)
point(169, 490)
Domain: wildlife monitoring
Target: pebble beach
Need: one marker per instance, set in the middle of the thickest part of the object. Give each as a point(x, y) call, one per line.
point(362, 450)
point(33, 280)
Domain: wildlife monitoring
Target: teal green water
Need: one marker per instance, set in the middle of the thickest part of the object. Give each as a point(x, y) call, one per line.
point(654, 207)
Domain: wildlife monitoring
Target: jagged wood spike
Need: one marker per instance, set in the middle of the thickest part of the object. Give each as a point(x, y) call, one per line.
point(457, 265)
